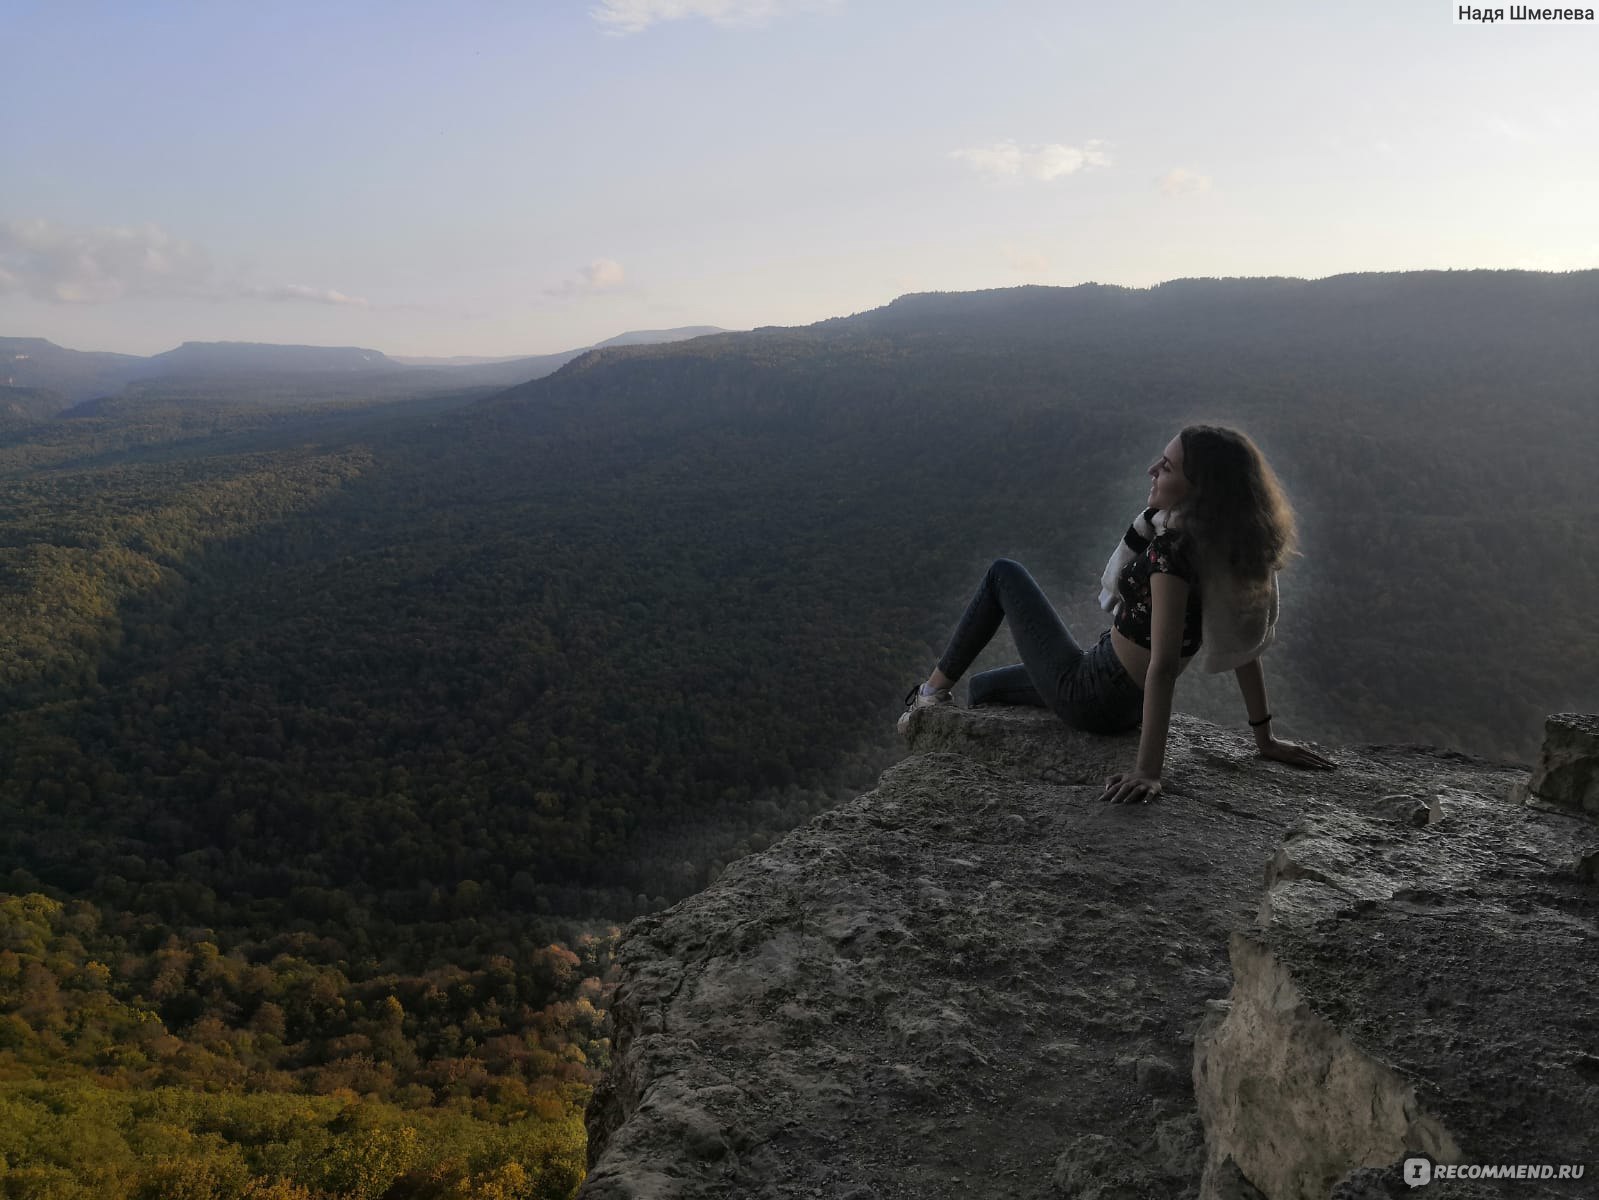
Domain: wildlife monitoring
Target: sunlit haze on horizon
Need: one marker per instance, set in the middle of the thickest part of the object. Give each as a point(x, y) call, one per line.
point(500, 179)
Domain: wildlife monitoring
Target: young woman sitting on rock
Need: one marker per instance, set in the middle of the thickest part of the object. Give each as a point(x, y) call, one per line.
point(1198, 567)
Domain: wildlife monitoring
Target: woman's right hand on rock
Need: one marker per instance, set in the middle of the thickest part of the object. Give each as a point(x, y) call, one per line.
point(1295, 755)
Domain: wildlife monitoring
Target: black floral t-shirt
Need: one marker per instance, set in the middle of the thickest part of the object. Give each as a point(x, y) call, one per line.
point(1167, 553)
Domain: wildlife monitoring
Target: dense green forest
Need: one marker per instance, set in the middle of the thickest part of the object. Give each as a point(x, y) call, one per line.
point(383, 701)
point(136, 1061)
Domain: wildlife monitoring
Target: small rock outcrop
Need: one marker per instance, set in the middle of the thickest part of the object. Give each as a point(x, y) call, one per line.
point(979, 981)
point(1567, 773)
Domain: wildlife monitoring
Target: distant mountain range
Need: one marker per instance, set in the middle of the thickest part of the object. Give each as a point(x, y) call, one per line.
point(637, 337)
point(70, 376)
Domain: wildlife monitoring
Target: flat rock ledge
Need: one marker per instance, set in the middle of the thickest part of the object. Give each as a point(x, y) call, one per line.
point(978, 981)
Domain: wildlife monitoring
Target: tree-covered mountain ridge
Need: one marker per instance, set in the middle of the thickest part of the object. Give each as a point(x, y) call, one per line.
point(1427, 425)
point(271, 372)
point(1370, 308)
point(376, 698)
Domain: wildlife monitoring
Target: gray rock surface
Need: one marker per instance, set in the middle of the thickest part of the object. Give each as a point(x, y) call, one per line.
point(1430, 989)
point(1567, 773)
point(978, 981)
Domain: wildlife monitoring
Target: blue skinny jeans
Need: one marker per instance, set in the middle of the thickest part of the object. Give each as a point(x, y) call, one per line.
point(1089, 690)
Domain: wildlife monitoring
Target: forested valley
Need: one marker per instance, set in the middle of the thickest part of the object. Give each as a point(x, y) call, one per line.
point(340, 738)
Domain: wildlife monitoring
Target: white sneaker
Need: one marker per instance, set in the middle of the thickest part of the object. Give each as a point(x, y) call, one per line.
point(915, 699)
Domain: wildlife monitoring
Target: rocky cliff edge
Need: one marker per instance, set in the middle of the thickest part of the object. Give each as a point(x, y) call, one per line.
point(978, 981)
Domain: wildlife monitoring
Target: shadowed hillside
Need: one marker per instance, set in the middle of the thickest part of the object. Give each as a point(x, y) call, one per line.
point(425, 686)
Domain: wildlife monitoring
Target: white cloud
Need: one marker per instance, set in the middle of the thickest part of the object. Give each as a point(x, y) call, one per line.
point(1007, 160)
point(61, 265)
point(93, 266)
point(1552, 124)
point(601, 275)
point(1556, 118)
point(1180, 181)
point(1506, 128)
point(635, 16)
point(295, 291)
point(1025, 260)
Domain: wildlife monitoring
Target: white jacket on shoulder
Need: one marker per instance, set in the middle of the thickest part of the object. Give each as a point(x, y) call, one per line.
point(1238, 623)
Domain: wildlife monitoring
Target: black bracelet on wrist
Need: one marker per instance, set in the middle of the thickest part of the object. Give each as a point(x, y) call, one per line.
point(1266, 720)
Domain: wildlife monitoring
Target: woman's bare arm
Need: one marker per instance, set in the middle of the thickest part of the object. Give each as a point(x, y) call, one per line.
point(1252, 683)
point(1168, 596)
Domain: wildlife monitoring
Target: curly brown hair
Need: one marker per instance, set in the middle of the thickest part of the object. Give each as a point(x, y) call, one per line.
point(1235, 510)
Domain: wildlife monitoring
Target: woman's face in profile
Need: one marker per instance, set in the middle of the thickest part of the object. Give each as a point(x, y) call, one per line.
point(1168, 483)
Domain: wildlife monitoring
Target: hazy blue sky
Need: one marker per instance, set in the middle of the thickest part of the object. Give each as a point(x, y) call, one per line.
point(504, 178)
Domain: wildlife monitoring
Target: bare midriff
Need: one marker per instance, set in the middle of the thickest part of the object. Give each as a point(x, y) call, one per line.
point(1135, 659)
